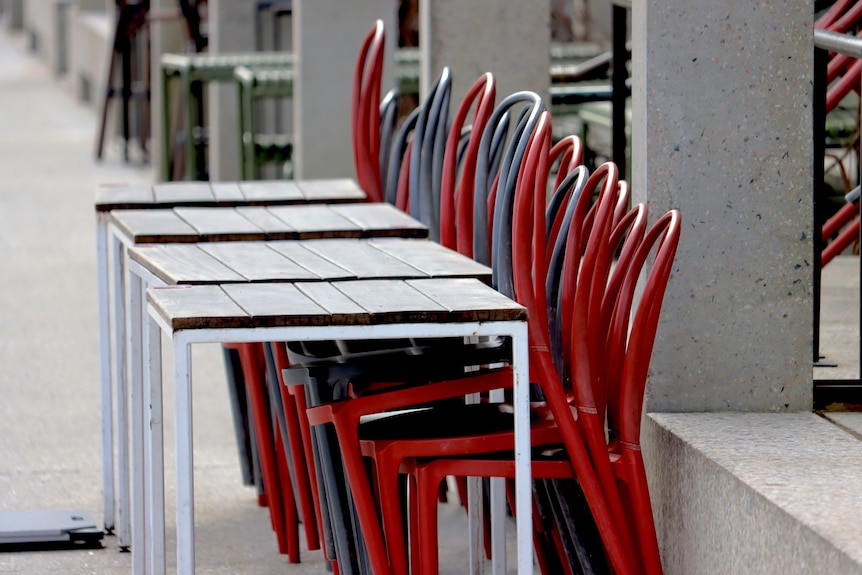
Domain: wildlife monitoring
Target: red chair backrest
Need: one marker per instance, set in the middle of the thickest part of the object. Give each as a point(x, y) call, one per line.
point(456, 202)
point(366, 112)
point(636, 344)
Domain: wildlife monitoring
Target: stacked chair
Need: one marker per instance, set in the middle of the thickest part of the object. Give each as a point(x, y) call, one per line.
point(355, 424)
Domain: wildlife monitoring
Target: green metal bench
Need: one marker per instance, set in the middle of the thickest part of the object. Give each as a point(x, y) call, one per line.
point(202, 68)
point(270, 75)
point(257, 149)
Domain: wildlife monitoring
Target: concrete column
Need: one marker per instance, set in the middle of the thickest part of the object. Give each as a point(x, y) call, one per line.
point(327, 36)
point(722, 131)
point(231, 29)
point(510, 39)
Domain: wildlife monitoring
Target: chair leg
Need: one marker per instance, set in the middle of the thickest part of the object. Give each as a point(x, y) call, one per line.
point(252, 360)
point(360, 487)
point(337, 527)
point(390, 511)
point(427, 482)
point(300, 450)
point(291, 518)
point(239, 412)
point(285, 412)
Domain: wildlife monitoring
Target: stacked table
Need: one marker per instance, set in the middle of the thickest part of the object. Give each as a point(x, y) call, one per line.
point(111, 243)
point(267, 273)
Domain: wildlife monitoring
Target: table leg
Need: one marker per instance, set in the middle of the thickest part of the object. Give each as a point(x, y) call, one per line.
point(106, 395)
point(523, 468)
point(154, 447)
point(134, 297)
point(184, 457)
point(121, 394)
point(497, 504)
point(475, 522)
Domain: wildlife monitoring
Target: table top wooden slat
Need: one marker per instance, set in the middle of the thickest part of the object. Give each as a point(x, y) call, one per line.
point(256, 261)
point(331, 190)
point(197, 307)
point(315, 219)
point(180, 193)
point(154, 226)
point(266, 221)
point(363, 259)
point(184, 263)
point(263, 191)
point(432, 258)
point(342, 310)
point(303, 260)
point(355, 302)
point(227, 192)
point(123, 196)
point(370, 216)
point(392, 301)
point(319, 266)
point(470, 299)
point(277, 304)
point(197, 224)
point(219, 223)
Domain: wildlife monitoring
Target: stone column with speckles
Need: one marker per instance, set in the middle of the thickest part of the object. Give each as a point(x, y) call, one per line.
point(721, 130)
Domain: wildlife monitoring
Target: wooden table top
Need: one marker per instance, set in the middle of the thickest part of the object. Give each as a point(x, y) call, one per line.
point(297, 222)
point(224, 194)
point(343, 303)
point(304, 260)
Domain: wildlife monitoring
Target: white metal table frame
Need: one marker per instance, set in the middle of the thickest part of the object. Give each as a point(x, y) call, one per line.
point(111, 270)
point(111, 263)
point(138, 276)
point(148, 476)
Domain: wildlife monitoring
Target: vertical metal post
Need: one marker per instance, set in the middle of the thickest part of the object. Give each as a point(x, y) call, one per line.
point(134, 289)
point(121, 408)
point(821, 60)
point(106, 392)
point(859, 239)
point(154, 446)
point(184, 456)
point(619, 93)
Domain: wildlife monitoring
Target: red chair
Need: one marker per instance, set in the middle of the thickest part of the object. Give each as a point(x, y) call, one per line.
point(279, 491)
point(366, 113)
point(345, 415)
point(629, 357)
point(388, 454)
point(606, 230)
point(456, 204)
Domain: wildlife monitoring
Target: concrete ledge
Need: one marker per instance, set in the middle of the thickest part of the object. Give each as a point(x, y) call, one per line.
point(755, 493)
